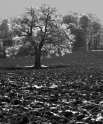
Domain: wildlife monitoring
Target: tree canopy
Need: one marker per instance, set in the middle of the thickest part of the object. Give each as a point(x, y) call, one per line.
point(42, 26)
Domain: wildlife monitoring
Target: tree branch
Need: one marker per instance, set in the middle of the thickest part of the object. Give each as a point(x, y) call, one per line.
point(43, 37)
point(38, 26)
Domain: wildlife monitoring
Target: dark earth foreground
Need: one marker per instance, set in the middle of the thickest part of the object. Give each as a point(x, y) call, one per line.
point(62, 95)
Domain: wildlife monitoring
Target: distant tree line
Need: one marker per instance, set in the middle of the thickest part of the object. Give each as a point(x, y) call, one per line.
point(87, 29)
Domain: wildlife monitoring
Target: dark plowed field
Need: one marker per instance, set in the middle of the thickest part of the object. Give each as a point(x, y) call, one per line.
point(63, 95)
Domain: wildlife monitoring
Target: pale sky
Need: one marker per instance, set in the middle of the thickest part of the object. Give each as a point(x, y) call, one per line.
point(13, 8)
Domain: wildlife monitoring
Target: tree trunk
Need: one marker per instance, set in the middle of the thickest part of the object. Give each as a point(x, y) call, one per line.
point(37, 58)
point(89, 45)
point(3, 55)
point(95, 44)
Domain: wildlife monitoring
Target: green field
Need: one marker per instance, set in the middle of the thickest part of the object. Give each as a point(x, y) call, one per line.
point(70, 92)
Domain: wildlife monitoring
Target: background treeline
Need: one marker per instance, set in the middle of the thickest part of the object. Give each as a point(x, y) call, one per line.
point(87, 29)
